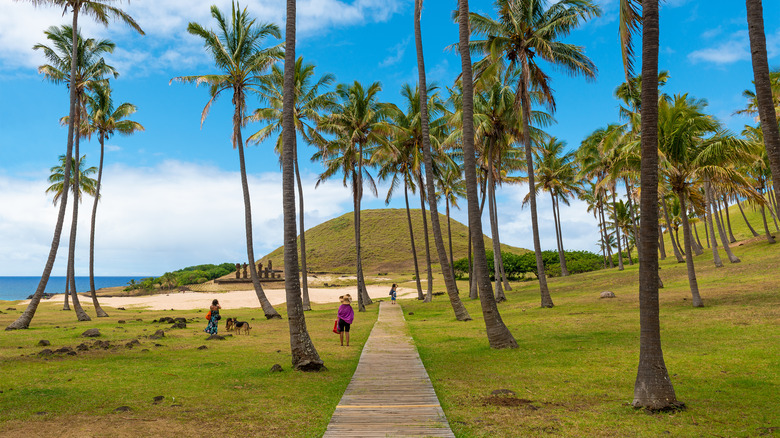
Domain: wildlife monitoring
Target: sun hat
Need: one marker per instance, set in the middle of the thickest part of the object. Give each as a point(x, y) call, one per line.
point(345, 299)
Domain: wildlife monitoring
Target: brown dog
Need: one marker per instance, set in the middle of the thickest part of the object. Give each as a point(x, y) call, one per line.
point(230, 324)
point(241, 325)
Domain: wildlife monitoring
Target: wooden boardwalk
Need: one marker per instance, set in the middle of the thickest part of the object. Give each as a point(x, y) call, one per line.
point(390, 394)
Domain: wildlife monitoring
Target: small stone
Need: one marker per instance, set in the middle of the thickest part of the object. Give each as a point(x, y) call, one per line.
point(41, 413)
point(158, 345)
point(11, 308)
point(157, 335)
point(121, 321)
point(72, 353)
point(158, 399)
point(179, 325)
point(63, 350)
point(607, 294)
point(202, 347)
point(276, 368)
point(215, 337)
point(43, 343)
point(123, 409)
point(45, 352)
point(411, 313)
point(120, 308)
point(503, 392)
point(91, 333)
point(82, 347)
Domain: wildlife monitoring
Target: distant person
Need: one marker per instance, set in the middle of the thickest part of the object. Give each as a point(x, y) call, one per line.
point(213, 317)
point(346, 315)
point(393, 293)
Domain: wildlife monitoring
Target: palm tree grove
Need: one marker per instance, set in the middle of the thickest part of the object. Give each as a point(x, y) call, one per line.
point(496, 218)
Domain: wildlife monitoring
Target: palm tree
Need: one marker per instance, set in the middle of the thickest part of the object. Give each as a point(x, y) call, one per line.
point(761, 79)
point(357, 122)
point(528, 29)
point(106, 120)
point(556, 172)
point(101, 11)
point(461, 313)
point(90, 71)
point(652, 388)
point(498, 334)
point(304, 355)
point(85, 184)
point(451, 188)
point(235, 49)
point(308, 101)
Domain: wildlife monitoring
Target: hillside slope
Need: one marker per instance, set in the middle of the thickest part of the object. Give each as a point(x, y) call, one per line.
point(386, 247)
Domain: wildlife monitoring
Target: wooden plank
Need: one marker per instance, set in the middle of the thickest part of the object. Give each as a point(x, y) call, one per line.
point(390, 393)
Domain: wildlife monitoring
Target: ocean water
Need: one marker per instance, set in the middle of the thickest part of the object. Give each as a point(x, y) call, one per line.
point(19, 288)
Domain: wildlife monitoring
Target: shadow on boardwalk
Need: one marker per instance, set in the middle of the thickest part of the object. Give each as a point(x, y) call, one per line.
point(390, 394)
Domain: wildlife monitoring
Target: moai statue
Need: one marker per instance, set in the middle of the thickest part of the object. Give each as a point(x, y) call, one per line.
point(245, 266)
point(265, 273)
point(238, 270)
point(270, 266)
point(259, 266)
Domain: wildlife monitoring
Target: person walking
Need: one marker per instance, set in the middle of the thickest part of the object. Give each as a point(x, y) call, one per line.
point(346, 316)
point(213, 317)
point(393, 293)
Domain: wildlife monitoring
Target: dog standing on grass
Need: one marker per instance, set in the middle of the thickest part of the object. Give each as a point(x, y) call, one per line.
point(241, 325)
point(230, 324)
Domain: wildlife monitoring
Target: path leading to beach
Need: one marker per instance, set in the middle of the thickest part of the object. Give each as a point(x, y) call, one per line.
point(390, 393)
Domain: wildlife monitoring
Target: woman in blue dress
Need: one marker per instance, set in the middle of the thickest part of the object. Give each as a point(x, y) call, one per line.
point(211, 328)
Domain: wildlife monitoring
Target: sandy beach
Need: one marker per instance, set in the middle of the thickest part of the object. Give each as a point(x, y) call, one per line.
point(230, 300)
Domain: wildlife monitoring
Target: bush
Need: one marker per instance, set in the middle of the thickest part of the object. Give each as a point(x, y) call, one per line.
point(190, 275)
point(517, 266)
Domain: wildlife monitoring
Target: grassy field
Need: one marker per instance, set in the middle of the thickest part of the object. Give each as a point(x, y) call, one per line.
point(573, 373)
point(226, 389)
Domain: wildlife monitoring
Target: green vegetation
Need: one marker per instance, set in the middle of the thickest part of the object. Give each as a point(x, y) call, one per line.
point(517, 265)
point(183, 277)
point(330, 246)
point(226, 389)
point(574, 371)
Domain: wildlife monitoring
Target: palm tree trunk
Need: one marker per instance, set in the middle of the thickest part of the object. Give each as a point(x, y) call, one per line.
point(525, 101)
point(697, 249)
point(695, 297)
point(504, 279)
point(675, 245)
point(26, 317)
point(304, 268)
point(698, 241)
point(80, 313)
point(500, 297)
point(99, 310)
point(606, 236)
point(429, 287)
point(772, 201)
point(603, 235)
point(498, 334)
point(728, 219)
point(268, 309)
point(420, 295)
point(304, 355)
point(358, 262)
point(461, 314)
point(632, 210)
point(769, 237)
point(766, 109)
point(722, 233)
point(628, 249)
point(449, 238)
point(661, 246)
point(559, 235)
point(652, 388)
point(473, 289)
point(66, 301)
point(617, 231)
point(739, 205)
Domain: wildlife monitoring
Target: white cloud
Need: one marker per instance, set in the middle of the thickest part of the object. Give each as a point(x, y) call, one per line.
point(733, 50)
point(157, 219)
point(397, 53)
point(167, 42)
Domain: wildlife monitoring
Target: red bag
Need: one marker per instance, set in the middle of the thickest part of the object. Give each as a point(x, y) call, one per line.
point(208, 316)
point(336, 326)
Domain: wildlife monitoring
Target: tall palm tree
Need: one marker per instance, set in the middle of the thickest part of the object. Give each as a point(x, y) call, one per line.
point(498, 334)
point(90, 71)
point(235, 47)
point(304, 355)
point(86, 184)
point(106, 120)
point(526, 31)
point(556, 172)
point(101, 11)
point(652, 388)
point(308, 101)
point(451, 188)
point(461, 314)
point(357, 122)
point(766, 108)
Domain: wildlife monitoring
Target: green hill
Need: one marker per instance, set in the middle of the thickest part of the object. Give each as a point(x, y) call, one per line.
point(386, 247)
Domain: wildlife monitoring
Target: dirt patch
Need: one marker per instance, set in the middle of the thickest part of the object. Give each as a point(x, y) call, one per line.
point(116, 426)
point(507, 401)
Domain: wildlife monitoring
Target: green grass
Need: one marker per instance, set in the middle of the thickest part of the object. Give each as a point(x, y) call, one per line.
point(574, 370)
point(227, 389)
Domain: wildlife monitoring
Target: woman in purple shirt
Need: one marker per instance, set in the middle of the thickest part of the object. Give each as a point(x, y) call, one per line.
point(346, 315)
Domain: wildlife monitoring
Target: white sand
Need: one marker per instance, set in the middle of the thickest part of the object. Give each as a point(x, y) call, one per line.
point(232, 300)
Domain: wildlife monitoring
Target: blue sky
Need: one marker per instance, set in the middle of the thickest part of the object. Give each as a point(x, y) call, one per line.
point(171, 195)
